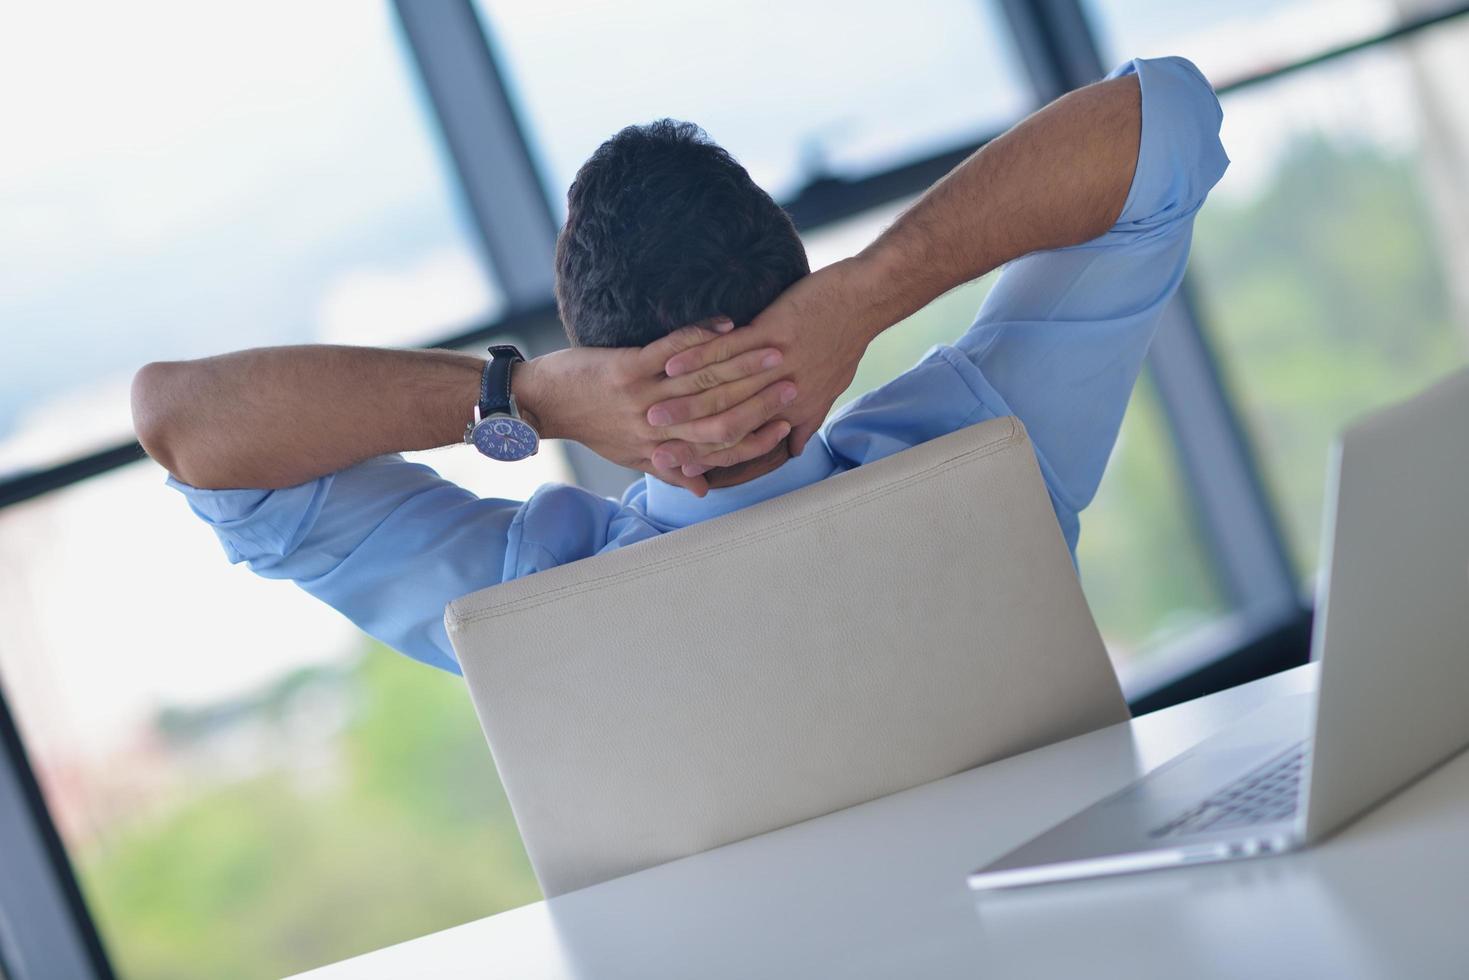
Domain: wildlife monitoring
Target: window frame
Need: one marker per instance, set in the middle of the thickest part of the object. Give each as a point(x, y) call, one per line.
point(46, 929)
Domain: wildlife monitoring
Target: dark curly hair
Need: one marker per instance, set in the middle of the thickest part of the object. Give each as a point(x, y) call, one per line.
point(665, 228)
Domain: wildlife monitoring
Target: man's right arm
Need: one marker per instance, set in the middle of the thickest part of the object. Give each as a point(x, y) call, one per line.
point(281, 416)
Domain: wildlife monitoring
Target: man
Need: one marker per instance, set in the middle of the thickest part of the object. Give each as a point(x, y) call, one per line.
point(1090, 201)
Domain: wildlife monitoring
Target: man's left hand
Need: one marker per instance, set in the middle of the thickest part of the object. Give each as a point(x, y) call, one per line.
point(823, 324)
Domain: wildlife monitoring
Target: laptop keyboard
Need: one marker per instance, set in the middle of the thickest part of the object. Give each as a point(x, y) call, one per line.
point(1264, 795)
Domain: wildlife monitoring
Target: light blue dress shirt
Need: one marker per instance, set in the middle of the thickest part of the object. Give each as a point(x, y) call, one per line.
point(1058, 342)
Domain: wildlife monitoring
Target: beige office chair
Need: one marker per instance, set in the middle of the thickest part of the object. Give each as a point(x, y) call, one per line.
point(908, 620)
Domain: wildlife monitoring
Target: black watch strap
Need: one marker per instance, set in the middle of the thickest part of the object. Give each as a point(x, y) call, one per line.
point(494, 383)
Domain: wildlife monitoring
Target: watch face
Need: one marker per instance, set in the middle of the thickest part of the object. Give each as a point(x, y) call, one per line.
point(504, 438)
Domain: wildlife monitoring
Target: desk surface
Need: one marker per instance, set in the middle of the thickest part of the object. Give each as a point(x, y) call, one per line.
point(878, 890)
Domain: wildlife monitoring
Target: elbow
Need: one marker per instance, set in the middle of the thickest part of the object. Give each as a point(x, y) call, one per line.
point(1200, 114)
point(1180, 154)
point(154, 420)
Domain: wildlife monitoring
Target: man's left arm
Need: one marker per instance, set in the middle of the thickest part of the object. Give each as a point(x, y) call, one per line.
point(1060, 340)
point(1096, 191)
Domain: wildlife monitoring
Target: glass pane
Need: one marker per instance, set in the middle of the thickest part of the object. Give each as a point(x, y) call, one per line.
point(1332, 259)
point(1143, 565)
point(247, 786)
point(905, 343)
point(795, 90)
point(1234, 40)
point(178, 181)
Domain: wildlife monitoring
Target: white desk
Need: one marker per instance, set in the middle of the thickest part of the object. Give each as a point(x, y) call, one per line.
point(878, 890)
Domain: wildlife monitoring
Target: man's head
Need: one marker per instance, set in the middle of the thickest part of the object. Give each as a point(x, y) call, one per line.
point(664, 228)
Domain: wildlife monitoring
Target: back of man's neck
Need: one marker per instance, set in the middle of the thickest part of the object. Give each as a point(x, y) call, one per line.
point(730, 476)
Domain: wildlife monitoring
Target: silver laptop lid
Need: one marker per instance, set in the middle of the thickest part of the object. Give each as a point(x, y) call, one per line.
point(1393, 608)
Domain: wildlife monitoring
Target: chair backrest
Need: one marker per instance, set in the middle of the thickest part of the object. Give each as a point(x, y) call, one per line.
point(889, 626)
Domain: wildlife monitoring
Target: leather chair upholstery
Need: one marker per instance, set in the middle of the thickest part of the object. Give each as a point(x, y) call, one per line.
point(889, 626)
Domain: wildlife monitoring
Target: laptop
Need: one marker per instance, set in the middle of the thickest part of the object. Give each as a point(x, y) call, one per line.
point(1392, 638)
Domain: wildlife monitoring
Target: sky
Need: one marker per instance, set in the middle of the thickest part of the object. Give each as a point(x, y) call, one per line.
point(182, 178)
point(789, 88)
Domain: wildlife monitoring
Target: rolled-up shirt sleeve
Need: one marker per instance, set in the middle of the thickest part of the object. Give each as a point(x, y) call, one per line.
point(1062, 336)
point(387, 543)
point(1180, 156)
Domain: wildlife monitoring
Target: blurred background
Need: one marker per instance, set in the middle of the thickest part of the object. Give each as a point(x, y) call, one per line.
point(245, 785)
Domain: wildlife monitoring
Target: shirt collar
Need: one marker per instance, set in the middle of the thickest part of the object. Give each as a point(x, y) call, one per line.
point(674, 506)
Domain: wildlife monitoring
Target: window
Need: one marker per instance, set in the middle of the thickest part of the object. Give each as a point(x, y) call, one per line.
point(246, 784)
point(181, 179)
point(794, 90)
point(1328, 259)
point(1143, 564)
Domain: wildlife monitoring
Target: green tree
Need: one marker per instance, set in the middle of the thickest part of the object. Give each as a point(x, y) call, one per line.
point(1326, 298)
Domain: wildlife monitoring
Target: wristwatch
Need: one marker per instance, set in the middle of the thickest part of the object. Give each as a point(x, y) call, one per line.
point(498, 431)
